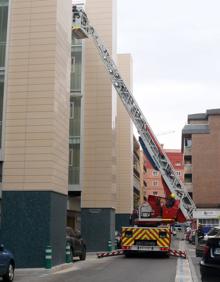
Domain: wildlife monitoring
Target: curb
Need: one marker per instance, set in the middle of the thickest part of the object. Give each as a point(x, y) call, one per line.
point(55, 268)
point(191, 266)
point(51, 270)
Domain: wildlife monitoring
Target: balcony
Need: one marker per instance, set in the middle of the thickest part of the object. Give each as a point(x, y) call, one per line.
point(189, 187)
point(187, 151)
point(188, 168)
point(136, 183)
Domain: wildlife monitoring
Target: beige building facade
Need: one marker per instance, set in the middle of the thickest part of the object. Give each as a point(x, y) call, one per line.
point(124, 147)
point(67, 140)
point(35, 129)
point(106, 198)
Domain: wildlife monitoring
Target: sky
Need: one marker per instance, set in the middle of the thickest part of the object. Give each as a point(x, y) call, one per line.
point(175, 46)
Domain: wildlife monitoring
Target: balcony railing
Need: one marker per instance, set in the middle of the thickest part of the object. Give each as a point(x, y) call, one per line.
point(189, 187)
point(187, 151)
point(188, 168)
point(136, 183)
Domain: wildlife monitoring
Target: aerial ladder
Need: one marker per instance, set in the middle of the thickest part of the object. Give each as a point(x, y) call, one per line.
point(82, 29)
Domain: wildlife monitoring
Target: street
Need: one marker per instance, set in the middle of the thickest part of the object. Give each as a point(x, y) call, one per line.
point(150, 268)
point(136, 269)
point(115, 269)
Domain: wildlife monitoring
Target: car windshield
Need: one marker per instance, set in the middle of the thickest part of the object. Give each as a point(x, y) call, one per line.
point(213, 232)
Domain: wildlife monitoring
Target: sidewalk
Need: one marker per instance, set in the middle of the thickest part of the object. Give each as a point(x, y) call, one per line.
point(27, 274)
point(187, 270)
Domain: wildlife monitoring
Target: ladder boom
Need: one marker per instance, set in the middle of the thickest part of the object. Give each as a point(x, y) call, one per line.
point(82, 29)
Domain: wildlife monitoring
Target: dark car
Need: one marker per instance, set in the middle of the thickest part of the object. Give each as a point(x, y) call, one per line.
point(7, 264)
point(210, 263)
point(201, 239)
point(77, 245)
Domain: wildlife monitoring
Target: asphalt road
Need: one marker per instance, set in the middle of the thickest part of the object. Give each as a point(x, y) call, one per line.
point(120, 269)
point(116, 269)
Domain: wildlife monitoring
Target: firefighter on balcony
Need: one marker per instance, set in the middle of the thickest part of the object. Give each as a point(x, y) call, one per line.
point(170, 201)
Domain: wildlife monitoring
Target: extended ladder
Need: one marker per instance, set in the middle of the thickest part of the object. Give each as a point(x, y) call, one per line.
point(82, 29)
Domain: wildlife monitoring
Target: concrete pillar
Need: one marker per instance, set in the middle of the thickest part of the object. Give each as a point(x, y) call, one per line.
point(99, 143)
point(124, 150)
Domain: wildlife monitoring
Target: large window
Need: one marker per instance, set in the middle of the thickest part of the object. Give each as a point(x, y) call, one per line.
point(74, 143)
point(1, 105)
point(3, 30)
point(76, 65)
point(74, 163)
point(75, 113)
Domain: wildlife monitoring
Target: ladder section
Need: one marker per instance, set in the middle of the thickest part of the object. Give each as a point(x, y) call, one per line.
point(82, 29)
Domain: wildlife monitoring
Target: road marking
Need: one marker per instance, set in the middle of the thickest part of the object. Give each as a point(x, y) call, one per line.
point(183, 273)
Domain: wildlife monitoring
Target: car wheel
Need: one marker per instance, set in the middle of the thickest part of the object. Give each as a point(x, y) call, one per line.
point(9, 276)
point(71, 254)
point(204, 275)
point(83, 254)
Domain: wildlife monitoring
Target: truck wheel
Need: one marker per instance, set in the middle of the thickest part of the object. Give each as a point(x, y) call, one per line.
point(127, 254)
point(9, 276)
point(167, 255)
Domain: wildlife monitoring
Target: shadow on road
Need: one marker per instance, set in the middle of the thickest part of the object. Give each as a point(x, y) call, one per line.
point(148, 255)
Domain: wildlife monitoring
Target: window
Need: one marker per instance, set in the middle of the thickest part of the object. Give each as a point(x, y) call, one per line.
point(74, 163)
point(75, 116)
point(155, 193)
point(72, 110)
point(1, 105)
point(178, 173)
point(76, 69)
point(188, 178)
point(155, 183)
point(73, 64)
point(155, 173)
point(178, 164)
point(3, 30)
point(188, 143)
point(71, 157)
point(188, 159)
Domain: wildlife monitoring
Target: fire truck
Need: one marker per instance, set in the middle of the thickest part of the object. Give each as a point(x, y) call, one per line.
point(152, 225)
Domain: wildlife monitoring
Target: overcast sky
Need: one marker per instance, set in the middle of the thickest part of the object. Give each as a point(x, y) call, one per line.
point(175, 45)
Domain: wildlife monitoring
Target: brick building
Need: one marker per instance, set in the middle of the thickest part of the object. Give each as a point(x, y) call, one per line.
point(201, 149)
point(153, 177)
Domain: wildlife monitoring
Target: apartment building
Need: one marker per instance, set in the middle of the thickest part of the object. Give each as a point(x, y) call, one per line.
point(35, 85)
point(153, 177)
point(200, 147)
point(66, 149)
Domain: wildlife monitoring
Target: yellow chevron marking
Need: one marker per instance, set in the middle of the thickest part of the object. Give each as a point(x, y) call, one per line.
point(145, 234)
point(160, 240)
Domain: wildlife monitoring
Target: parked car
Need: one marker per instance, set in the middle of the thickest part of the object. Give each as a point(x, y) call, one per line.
point(215, 231)
point(7, 264)
point(77, 245)
point(210, 263)
point(201, 240)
